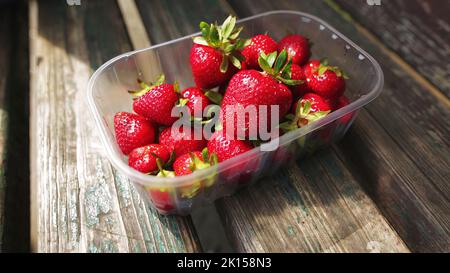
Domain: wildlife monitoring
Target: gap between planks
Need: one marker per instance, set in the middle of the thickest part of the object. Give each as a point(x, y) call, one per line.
point(392, 54)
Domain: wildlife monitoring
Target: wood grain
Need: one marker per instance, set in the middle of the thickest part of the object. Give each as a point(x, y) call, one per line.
point(419, 31)
point(399, 149)
point(79, 202)
point(5, 52)
point(297, 211)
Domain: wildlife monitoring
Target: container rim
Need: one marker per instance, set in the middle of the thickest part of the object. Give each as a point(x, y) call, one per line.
point(154, 181)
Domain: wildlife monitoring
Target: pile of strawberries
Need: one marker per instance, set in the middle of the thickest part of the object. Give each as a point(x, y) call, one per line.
point(258, 71)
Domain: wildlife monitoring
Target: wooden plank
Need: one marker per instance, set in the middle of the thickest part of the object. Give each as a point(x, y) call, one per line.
point(294, 213)
point(5, 53)
point(405, 166)
point(418, 31)
point(79, 202)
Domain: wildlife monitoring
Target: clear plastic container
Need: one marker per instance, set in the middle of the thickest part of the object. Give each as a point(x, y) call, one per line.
point(107, 95)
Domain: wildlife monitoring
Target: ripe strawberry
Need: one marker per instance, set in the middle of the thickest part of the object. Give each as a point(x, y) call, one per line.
point(254, 88)
point(155, 102)
point(327, 81)
point(259, 43)
point(226, 147)
point(212, 52)
point(298, 73)
point(181, 142)
point(311, 107)
point(190, 162)
point(195, 100)
point(342, 102)
point(161, 199)
point(161, 196)
point(310, 67)
point(132, 131)
point(144, 158)
point(298, 48)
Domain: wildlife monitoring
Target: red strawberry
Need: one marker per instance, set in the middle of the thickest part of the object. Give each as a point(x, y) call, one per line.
point(181, 142)
point(213, 51)
point(300, 89)
point(310, 67)
point(254, 88)
point(297, 47)
point(161, 199)
point(156, 102)
point(317, 103)
point(311, 107)
point(132, 131)
point(190, 162)
point(144, 158)
point(327, 81)
point(258, 44)
point(196, 100)
point(226, 147)
point(342, 102)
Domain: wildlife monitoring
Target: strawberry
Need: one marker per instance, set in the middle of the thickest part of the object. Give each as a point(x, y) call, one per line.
point(310, 67)
point(181, 142)
point(213, 51)
point(195, 100)
point(254, 88)
point(132, 131)
point(156, 101)
point(298, 48)
point(298, 73)
point(327, 81)
point(161, 196)
point(144, 158)
point(225, 147)
point(259, 43)
point(311, 107)
point(191, 162)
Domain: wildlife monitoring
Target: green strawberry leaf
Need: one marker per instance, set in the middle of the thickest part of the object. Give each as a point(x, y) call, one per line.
point(322, 70)
point(235, 34)
point(224, 64)
point(271, 58)
point(205, 155)
point(182, 102)
point(228, 26)
point(305, 106)
point(281, 61)
point(290, 82)
point(264, 64)
point(236, 62)
point(200, 41)
point(214, 97)
point(324, 61)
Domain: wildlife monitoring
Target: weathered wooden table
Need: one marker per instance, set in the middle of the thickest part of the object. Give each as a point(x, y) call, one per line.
point(385, 187)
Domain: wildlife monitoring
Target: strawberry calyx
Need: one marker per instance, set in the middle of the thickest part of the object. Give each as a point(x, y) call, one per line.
point(278, 66)
point(145, 87)
point(324, 67)
point(162, 172)
point(207, 160)
point(226, 39)
point(303, 116)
